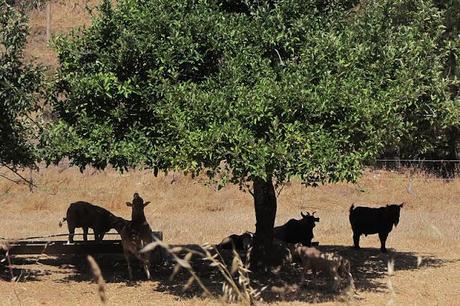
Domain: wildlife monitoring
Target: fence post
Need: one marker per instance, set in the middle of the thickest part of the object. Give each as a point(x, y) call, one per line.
point(31, 182)
point(48, 21)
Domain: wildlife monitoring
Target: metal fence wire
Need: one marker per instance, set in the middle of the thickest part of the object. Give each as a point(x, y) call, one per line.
point(441, 168)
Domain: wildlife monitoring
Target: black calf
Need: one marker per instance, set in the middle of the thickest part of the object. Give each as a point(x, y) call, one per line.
point(297, 231)
point(86, 215)
point(237, 242)
point(367, 220)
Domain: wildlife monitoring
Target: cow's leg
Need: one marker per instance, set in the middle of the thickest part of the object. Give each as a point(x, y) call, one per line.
point(335, 278)
point(71, 231)
point(85, 233)
point(144, 258)
point(383, 239)
point(304, 271)
point(314, 274)
point(130, 271)
point(96, 234)
point(356, 240)
point(146, 263)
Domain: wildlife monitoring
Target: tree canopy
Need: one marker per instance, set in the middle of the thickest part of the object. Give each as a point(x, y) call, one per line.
point(273, 88)
point(19, 84)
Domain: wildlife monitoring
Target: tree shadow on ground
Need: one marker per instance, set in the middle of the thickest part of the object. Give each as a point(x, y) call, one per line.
point(75, 268)
point(19, 273)
point(368, 267)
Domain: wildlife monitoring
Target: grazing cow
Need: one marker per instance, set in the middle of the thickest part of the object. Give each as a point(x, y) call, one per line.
point(86, 215)
point(367, 220)
point(237, 242)
point(297, 231)
point(136, 234)
point(333, 265)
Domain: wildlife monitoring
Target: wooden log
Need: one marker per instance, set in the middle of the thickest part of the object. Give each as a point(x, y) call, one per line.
point(64, 248)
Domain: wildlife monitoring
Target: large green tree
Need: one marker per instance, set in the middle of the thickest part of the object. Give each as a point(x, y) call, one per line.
point(250, 92)
point(19, 85)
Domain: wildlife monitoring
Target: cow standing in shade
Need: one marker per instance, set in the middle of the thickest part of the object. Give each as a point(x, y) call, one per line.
point(336, 268)
point(136, 234)
point(86, 215)
point(367, 220)
point(237, 242)
point(297, 231)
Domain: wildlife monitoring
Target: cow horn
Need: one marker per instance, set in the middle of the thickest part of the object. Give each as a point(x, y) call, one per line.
point(313, 213)
point(303, 216)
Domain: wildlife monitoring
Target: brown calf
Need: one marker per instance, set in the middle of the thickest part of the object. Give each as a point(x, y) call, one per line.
point(136, 234)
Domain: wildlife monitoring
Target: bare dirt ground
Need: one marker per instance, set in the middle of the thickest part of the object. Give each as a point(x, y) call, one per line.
point(190, 213)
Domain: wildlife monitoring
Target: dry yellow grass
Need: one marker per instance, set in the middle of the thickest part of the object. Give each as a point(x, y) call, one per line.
point(65, 15)
point(189, 212)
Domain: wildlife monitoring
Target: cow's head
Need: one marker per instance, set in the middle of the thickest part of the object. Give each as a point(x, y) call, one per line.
point(137, 205)
point(118, 223)
point(393, 212)
point(311, 218)
point(138, 202)
point(247, 239)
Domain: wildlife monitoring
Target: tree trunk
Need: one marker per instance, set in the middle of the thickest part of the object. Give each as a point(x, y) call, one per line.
point(265, 207)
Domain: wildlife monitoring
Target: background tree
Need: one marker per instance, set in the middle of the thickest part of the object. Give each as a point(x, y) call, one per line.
point(19, 84)
point(450, 149)
point(251, 92)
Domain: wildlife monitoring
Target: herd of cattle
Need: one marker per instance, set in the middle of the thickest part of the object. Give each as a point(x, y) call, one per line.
point(295, 235)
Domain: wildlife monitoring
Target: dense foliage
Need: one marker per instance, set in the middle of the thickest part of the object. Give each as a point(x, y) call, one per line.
point(449, 145)
point(19, 83)
point(274, 88)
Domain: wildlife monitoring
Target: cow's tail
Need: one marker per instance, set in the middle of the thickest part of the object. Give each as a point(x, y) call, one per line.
point(352, 207)
point(63, 220)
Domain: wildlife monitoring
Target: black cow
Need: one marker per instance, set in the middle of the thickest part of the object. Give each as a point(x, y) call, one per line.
point(86, 215)
point(237, 242)
point(367, 220)
point(297, 231)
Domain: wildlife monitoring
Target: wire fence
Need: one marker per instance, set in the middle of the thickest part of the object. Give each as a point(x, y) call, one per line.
point(441, 168)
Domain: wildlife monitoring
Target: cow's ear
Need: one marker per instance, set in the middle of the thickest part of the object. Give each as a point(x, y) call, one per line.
point(129, 204)
point(146, 203)
point(401, 205)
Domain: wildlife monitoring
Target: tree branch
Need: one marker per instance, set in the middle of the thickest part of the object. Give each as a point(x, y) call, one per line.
point(22, 178)
point(279, 190)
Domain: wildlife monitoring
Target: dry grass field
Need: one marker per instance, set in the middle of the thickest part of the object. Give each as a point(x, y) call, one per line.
point(65, 15)
point(190, 213)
